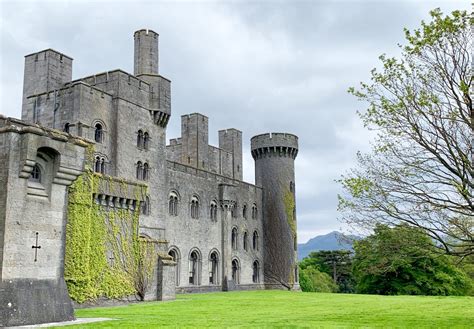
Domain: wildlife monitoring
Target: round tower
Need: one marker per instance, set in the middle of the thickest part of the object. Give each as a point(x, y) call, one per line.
point(274, 156)
point(146, 52)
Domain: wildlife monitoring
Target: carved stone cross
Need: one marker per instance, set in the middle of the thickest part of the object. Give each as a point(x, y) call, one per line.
point(36, 247)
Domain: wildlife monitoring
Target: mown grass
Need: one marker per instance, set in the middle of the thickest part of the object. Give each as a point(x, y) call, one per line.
point(282, 309)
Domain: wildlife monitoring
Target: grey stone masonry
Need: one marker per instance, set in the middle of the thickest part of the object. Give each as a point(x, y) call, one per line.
point(37, 166)
point(274, 156)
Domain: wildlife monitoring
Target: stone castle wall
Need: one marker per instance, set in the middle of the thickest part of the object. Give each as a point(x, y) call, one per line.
point(124, 104)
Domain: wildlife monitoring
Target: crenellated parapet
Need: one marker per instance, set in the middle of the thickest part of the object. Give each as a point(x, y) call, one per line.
point(274, 144)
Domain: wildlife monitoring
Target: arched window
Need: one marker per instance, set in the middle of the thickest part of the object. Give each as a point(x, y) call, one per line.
point(41, 176)
point(255, 272)
point(35, 174)
point(174, 253)
point(244, 211)
point(66, 127)
point(292, 187)
point(139, 170)
point(146, 172)
point(145, 206)
point(146, 141)
point(102, 166)
point(194, 267)
point(194, 207)
point(254, 211)
point(246, 242)
point(236, 271)
point(140, 139)
point(213, 211)
point(97, 164)
point(255, 240)
point(213, 268)
point(234, 238)
point(173, 204)
point(234, 211)
point(99, 133)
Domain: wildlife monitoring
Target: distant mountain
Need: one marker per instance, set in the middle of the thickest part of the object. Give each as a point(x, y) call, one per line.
point(331, 241)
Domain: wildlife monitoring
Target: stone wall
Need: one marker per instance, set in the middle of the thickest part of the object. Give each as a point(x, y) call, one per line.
point(205, 234)
point(33, 220)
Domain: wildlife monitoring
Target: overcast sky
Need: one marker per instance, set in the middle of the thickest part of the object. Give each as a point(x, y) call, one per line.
point(266, 66)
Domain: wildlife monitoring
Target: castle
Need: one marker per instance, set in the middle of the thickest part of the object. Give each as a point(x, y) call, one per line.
point(213, 231)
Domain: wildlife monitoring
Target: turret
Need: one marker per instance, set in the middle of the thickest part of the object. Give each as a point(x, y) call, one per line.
point(47, 70)
point(146, 68)
point(195, 140)
point(231, 141)
point(274, 156)
point(146, 52)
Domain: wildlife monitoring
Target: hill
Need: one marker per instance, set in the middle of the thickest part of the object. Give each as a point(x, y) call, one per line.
point(331, 241)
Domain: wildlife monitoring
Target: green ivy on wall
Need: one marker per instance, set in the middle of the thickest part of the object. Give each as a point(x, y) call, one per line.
point(289, 201)
point(105, 257)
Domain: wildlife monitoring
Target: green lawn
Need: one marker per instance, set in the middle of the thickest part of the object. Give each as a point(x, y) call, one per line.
point(290, 310)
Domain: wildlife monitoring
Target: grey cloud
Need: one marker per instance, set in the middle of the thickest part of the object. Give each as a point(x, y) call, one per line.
point(257, 66)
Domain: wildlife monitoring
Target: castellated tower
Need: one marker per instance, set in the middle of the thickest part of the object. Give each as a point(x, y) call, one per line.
point(274, 156)
point(231, 141)
point(146, 52)
point(45, 71)
point(146, 59)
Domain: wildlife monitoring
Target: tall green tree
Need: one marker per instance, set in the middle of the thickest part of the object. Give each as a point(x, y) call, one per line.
point(335, 263)
point(403, 261)
point(420, 170)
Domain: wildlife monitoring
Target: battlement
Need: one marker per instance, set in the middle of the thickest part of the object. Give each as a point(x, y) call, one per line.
point(283, 144)
point(194, 114)
point(108, 76)
point(145, 32)
point(59, 54)
point(8, 124)
point(229, 131)
point(68, 88)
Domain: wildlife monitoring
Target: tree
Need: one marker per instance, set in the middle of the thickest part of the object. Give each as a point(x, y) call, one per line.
point(420, 171)
point(402, 261)
point(336, 263)
point(313, 280)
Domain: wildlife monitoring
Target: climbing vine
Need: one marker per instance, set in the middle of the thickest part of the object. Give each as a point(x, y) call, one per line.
point(289, 201)
point(105, 257)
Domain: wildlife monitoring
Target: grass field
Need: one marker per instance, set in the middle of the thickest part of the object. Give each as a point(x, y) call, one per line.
point(290, 310)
